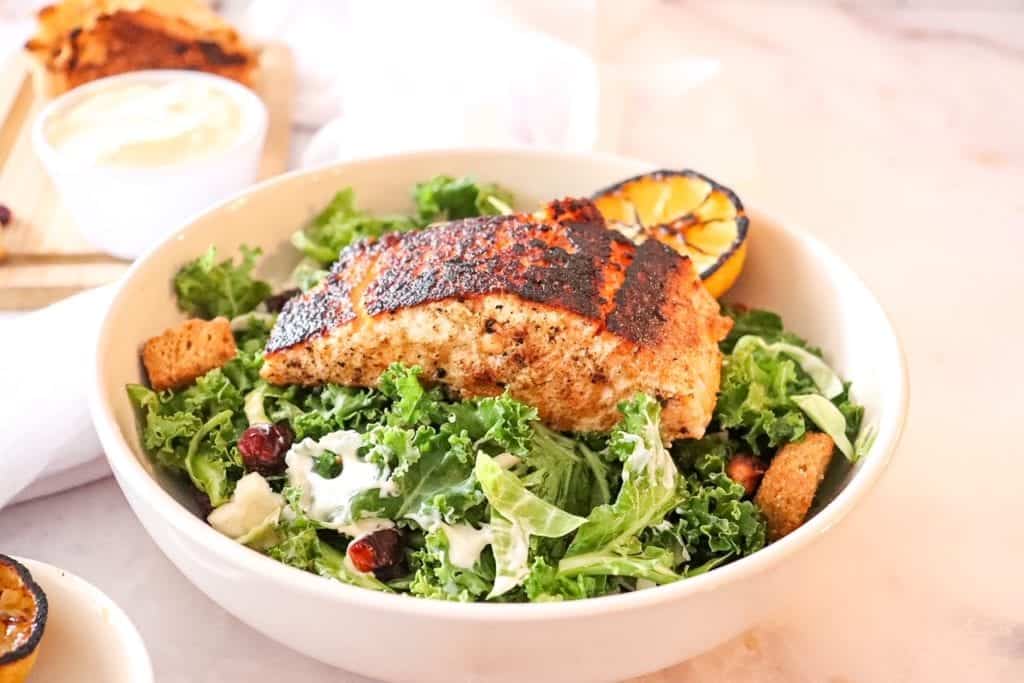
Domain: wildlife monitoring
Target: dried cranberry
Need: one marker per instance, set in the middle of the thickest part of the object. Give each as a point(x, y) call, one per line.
point(263, 447)
point(379, 552)
point(746, 470)
point(275, 302)
point(5, 216)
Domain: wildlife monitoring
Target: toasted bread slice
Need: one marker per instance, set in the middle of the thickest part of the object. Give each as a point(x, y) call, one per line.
point(182, 353)
point(791, 481)
point(78, 41)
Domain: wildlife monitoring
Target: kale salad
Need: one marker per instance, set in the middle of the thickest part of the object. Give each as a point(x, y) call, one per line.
point(403, 489)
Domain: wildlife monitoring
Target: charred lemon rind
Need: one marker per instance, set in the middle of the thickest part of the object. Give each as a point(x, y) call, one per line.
point(721, 276)
point(740, 243)
point(16, 664)
point(664, 174)
point(627, 216)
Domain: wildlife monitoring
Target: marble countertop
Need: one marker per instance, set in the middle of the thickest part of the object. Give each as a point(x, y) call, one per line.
point(893, 132)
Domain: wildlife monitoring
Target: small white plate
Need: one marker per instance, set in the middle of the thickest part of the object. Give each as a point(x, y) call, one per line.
point(85, 632)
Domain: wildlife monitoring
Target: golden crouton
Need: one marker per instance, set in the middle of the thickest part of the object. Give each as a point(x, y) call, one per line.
point(792, 479)
point(747, 471)
point(187, 351)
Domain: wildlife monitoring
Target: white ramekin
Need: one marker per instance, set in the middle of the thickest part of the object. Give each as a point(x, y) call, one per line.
point(124, 211)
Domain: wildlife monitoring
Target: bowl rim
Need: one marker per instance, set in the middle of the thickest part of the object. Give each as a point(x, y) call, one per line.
point(255, 120)
point(133, 477)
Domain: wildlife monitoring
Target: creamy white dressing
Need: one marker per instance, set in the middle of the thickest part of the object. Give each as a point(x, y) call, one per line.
point(329, 501)
point(364, 527)
point(657, 462)
point(465, 543)
point(428, 521)
point(147, 124)
point(639, 459)
point(663, 525)
point(253, 506)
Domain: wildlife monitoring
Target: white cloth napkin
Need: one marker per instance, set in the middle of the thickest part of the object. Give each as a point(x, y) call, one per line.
point(399, 76)
point(47, 366)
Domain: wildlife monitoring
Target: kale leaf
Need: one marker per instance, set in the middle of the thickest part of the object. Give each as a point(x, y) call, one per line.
point(198, 442)
point(608, 543)
point(766, 373)
point(435, 576)
point(760, 323)
point(340, 224)
point(300, 544)
point(444, 198)
point(712, 521)
point(754, 398)
point(209, 289)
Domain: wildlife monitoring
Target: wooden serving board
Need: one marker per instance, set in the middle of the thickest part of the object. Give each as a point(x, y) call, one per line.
point(42, 256)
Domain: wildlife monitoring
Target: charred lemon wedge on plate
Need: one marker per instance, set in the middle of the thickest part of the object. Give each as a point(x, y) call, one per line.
point(687, 211)
point(22, 620)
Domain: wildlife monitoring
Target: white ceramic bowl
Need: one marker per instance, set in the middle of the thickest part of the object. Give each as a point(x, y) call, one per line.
point(87, 636)
point(403, 638)
point(124, 211)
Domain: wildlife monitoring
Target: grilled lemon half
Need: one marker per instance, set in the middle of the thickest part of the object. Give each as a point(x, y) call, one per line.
point(23, 612)
point(687, 211)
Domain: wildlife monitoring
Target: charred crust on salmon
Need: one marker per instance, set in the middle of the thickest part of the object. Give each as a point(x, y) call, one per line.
point(638, 314)
point(566, 260)
point(309, 315)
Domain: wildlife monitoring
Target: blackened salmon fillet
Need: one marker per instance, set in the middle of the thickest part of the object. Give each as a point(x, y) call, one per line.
point(558, 310)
